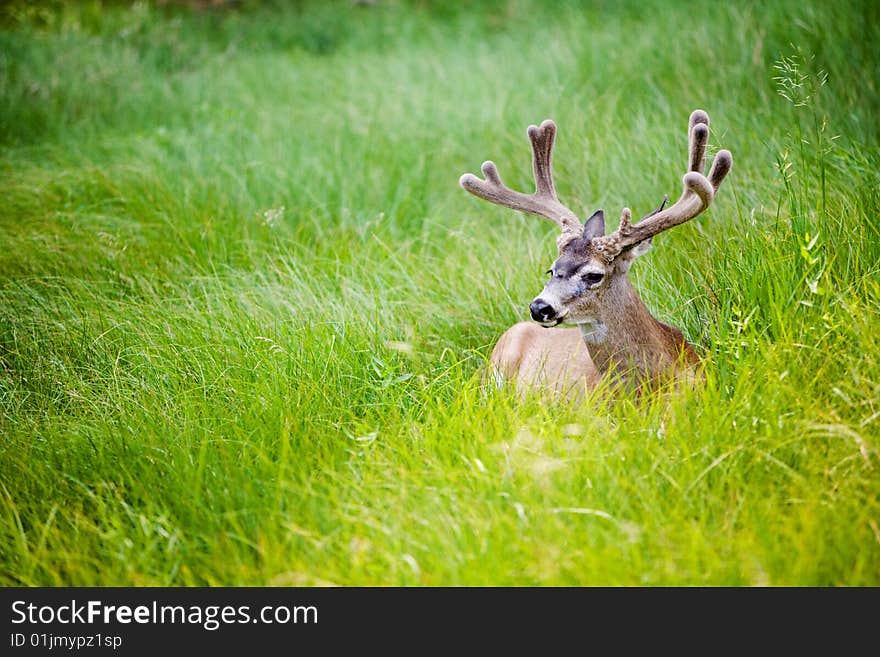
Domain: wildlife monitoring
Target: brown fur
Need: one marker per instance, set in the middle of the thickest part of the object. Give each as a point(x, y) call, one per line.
point(636, 341)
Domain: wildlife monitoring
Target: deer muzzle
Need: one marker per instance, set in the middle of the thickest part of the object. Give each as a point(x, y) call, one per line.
point(543, 313)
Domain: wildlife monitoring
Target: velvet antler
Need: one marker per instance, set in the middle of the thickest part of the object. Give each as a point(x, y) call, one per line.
point(695, 198)
point(544, 202)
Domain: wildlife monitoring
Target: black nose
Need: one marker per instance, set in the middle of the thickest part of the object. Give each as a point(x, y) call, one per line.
point(542, 311)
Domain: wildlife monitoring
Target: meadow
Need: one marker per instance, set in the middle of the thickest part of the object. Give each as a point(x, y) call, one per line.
point(245, 306)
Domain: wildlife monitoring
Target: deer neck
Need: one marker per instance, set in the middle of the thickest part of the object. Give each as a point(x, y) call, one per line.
point(626, 340)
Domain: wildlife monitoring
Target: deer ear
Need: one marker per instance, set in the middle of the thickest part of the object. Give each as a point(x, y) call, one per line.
point(641, 248)
point(595, 225)
point(628, 257)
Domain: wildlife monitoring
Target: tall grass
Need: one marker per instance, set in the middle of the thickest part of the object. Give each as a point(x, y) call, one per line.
point(245, 306)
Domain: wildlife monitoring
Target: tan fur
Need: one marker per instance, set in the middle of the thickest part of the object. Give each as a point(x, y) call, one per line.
point(553, 361)
point(558, 362)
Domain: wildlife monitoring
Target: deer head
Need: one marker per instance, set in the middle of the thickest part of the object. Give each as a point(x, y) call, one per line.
point(589, 276)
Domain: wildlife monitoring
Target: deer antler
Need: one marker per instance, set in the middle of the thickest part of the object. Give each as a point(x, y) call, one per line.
point(695, 198)
point(543, 202)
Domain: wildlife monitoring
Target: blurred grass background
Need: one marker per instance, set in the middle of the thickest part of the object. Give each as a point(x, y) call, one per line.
point(244, 305)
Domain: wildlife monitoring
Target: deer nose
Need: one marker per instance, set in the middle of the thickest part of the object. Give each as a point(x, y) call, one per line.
point(541, 311)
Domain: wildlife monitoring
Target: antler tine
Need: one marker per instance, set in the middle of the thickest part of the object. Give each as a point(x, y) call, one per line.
point(696, 196)
point(543, 202)
point(720, 168)
point(542, 140)
point(698, 137)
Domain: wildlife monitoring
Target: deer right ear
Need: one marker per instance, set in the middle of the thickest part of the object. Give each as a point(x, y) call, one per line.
point(595, 225)
point(641, 248)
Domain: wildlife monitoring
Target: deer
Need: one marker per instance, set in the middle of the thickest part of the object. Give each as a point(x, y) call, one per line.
point(608, 332)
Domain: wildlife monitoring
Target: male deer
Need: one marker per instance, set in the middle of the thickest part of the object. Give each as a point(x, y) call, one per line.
point(588, 287)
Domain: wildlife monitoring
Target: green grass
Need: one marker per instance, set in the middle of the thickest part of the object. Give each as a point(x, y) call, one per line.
point(244, 305)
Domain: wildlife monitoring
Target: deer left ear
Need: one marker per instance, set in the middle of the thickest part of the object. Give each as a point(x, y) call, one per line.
point(595, 225)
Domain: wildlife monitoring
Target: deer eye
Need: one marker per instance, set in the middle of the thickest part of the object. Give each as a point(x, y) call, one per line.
point(594, 277)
